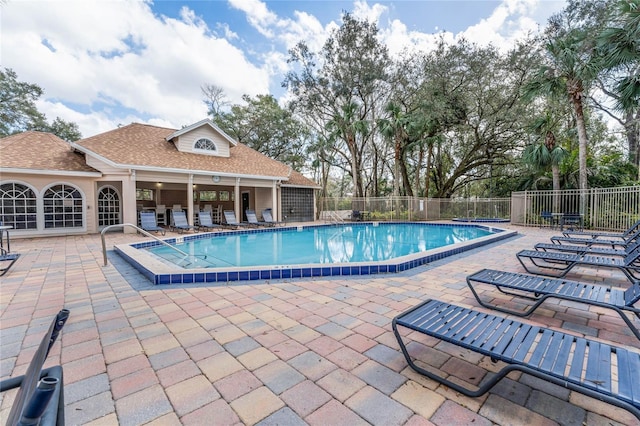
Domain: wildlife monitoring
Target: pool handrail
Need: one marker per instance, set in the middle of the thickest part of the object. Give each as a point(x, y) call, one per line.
point(140, 230)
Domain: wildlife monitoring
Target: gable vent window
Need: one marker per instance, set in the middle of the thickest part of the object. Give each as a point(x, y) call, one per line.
point(205, 145)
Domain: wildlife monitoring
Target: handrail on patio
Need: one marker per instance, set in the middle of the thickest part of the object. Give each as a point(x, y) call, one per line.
point(142, 231)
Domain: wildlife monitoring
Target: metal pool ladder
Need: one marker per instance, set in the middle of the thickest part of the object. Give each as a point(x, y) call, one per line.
point(140, 230)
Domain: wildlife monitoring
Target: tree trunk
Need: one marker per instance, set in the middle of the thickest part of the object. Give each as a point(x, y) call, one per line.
point(583, 141)
point(418, 167)
point(427, 178)
point(396, 173)
point(555, 173)
point(632, 130)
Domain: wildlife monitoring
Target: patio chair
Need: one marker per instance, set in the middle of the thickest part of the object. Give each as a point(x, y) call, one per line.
point(40, 397)
point(180, 223)
point(547, 217)
point(7, 260)
point(616, 242)
point(605, 251)
point(205, 221)
point(565, 262)
point(539, 289)
point(610, 235)
point(596, 369)
point(231, 221)
point(268, 218)
point(161, 214)
point(571, 221)
point(149, 224)
point(356, 216)
point(252, 219)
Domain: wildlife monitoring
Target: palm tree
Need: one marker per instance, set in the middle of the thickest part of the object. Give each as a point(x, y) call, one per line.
point(619, 46)
point(546, 153)
point(620, 52)
point(393, 128)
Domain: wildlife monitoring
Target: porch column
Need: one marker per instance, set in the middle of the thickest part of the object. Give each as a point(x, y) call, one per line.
point(129, 213)
point(190, 200)
point(236, 205)
point(274, 201)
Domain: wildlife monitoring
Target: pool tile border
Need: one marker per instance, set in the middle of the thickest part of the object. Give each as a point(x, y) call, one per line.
point(158, 274)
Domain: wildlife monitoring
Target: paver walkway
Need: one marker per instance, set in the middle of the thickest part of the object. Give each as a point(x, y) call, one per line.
point(304, 351)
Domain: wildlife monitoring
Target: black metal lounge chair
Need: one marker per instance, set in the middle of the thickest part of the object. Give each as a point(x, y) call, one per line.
point(268, 218)
point(609, 235)
point(565, 262)
point(205, 221)
point(539, 289)
point(40, 397)
point(252, 219)
point(604, 251)
point(6, 261)
point(149, 224)
point(613, 242)
point(598, 370)
point(180, 223)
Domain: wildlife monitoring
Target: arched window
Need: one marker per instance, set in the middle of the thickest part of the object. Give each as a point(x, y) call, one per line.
point(18, 206)
point(62, 207)
point(108, 206)
point(204, 144)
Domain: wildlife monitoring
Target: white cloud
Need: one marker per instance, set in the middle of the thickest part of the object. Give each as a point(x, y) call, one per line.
point(119, 53)
point(104, 63)
point(258, 15)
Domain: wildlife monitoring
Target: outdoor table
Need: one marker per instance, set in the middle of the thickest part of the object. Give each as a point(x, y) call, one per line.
point(3, 229)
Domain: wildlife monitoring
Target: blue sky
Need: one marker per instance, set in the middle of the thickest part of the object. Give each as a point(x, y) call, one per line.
point(105, 63)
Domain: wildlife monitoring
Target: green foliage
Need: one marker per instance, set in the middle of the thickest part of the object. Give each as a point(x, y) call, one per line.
point(18, 111)
point(266, 127)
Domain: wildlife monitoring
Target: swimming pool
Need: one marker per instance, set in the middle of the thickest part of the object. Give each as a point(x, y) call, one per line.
point(305, 251)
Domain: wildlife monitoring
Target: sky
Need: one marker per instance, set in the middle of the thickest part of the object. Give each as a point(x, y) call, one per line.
point(105, 63)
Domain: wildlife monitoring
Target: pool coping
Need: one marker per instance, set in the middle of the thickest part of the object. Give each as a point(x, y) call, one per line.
point(160, 273)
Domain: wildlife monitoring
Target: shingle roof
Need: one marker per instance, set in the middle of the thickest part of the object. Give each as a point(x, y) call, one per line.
point(40, 151)
point(143, 145)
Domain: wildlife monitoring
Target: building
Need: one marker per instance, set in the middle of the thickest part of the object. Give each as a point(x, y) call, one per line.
point(52, 187)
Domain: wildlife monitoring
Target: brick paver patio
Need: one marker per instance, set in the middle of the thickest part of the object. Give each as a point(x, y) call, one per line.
point(303, 351)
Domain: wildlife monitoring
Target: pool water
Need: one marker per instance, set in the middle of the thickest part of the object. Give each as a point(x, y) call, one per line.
point(316, 245)
point(304, 252)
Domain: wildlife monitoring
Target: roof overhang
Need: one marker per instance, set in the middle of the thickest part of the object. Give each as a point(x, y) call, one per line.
point(171, 170)
point(49, 172)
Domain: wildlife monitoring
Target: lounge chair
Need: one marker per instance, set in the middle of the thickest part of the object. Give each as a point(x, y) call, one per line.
point(565, 262)
point(604, 251)
point(268, 218)
point(149, 224)
point(40, 398)
point(252, 219)
point(539, 289)
point(598, 370)
point(231, 221)
point(622, 235)
point(613, 242)
point(205, 221)
point(6, 261)
point(180, 223)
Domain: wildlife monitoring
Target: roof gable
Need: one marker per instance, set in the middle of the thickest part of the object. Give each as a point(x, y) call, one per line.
point(199, 124)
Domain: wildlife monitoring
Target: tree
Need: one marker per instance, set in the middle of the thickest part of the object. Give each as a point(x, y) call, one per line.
point(546, 153)
point(342, 94)
point(18, 111)
point(266, 127)
point(214, 98)
point(620, 60)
